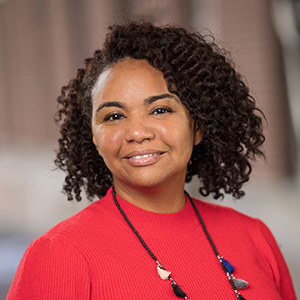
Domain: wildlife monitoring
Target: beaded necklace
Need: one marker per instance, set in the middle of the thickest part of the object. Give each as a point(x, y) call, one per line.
point(165, 275)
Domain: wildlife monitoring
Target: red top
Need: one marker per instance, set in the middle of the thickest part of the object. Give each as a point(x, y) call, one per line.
point(95, 255)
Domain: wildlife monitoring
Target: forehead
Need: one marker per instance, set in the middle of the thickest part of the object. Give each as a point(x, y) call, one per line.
point(128, 78)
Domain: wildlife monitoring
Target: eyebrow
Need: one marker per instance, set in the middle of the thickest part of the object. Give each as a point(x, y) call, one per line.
point(110, 104)
point(147, 101)
point(152, 99)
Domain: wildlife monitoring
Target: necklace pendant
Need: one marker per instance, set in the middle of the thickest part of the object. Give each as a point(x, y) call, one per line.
point(164, 274)
point(239, 283)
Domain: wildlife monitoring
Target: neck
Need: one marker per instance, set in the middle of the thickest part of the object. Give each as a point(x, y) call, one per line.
point(162, 199)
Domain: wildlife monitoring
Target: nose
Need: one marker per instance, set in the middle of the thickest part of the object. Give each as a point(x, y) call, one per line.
point(139, 130)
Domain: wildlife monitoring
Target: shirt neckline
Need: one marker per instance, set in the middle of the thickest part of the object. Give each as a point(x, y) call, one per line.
point(157, 224)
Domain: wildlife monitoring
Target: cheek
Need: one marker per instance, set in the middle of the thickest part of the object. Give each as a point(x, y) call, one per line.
point(177, 135)
point(109, 142)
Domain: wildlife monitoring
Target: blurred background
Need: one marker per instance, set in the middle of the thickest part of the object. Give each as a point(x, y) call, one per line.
point(43, 42)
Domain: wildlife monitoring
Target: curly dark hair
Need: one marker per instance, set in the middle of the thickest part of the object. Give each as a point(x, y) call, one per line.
point(198, 72)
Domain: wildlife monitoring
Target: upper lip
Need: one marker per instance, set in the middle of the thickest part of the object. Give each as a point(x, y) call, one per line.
point(143, 152)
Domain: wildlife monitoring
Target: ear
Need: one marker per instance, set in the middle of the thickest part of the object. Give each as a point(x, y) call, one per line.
point(198, 135)
point(96, 145)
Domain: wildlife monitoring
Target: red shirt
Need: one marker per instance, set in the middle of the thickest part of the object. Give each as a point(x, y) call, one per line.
point(95, 255)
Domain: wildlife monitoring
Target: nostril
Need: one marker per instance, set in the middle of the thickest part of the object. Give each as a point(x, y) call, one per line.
point(139, 132)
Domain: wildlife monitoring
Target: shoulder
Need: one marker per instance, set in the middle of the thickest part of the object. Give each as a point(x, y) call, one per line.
point(66, 246)
point(222, 214)
point(89, 224)
point(249, 236)
point(94, 215)
point(52, 267)
point(63, 239)
point(230, 224)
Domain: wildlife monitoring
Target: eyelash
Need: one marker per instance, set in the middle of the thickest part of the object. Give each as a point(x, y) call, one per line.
point(164, 109)
point(113, 116)
point(156, 111)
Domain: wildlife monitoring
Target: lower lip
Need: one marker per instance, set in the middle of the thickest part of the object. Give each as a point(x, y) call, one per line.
point(144, 161)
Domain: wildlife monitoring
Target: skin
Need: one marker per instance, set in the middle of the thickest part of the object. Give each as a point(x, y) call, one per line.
point(144, 134)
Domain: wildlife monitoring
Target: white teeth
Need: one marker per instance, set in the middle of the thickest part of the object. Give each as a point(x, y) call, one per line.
point(143, 156)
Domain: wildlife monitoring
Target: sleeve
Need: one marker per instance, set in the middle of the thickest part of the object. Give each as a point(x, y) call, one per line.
point(53, 269)
point(278, 265)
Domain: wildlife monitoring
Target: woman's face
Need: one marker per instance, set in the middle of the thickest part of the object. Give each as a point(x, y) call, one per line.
point(144, 134)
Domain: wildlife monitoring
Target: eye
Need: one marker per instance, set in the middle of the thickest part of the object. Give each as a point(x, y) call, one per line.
point(113, 117)
point(161, 110)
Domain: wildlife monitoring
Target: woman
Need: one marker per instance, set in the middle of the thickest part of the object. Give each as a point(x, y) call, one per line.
point(153, 108)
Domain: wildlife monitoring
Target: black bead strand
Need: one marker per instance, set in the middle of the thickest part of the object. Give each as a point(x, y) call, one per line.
point(176, 288)
point(239, 296)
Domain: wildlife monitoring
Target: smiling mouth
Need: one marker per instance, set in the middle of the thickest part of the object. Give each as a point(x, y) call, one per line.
point(144, 156)
point(142, 160)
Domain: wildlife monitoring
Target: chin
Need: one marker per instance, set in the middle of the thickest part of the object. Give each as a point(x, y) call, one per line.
point(141, 182)
point(148, 184)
